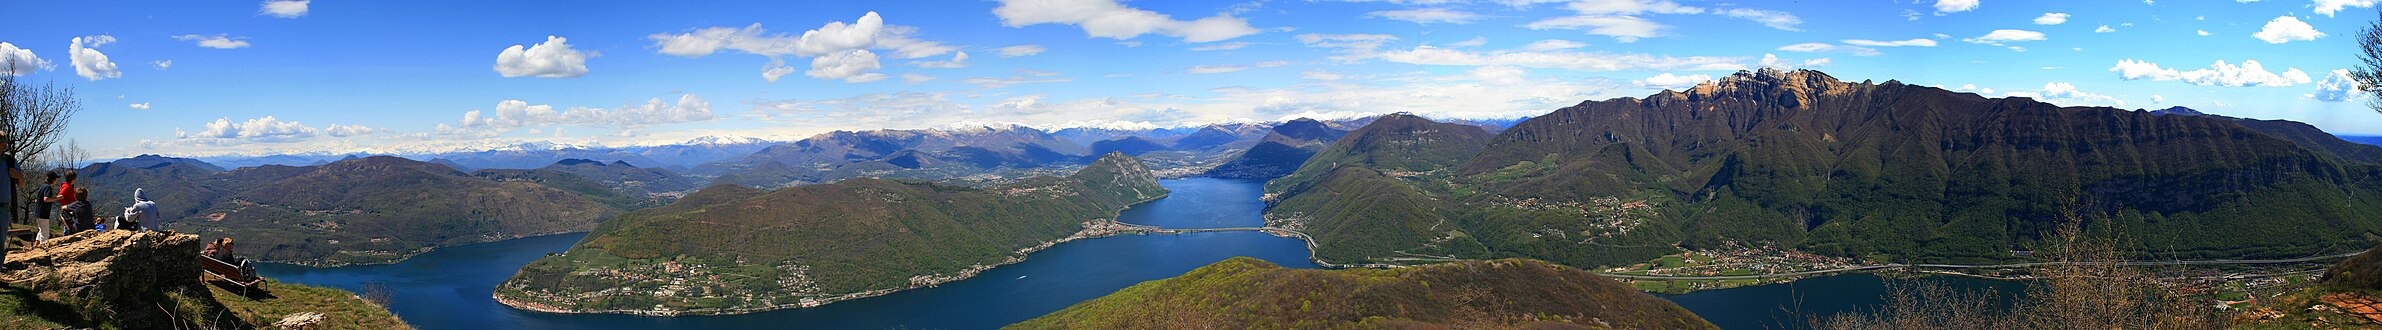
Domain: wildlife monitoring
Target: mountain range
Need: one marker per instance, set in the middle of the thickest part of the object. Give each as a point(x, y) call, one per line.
point(1882, 171)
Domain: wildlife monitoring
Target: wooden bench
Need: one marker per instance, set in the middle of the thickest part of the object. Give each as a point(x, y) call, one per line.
point(243, 277)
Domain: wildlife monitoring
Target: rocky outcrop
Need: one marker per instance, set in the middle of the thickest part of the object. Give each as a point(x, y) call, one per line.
point(120, 277)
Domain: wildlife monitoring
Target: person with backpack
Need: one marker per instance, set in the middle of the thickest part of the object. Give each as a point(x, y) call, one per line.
point(142, 215)
point(45, 206)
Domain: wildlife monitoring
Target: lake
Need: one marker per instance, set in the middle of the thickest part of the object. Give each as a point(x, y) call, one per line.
point(449, 288)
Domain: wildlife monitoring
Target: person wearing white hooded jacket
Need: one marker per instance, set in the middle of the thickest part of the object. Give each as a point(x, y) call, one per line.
point(144, 212)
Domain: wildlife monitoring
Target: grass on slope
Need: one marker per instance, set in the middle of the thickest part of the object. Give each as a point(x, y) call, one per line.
point(1246, 293)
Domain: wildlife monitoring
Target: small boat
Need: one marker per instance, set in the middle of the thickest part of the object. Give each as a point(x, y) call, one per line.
point(1021, 277)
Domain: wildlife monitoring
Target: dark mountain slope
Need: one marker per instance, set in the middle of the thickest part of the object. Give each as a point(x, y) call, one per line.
point(821, 243)
point(1889, 171)
point(380, 209)
point(1246, 293)
point(1280, 152)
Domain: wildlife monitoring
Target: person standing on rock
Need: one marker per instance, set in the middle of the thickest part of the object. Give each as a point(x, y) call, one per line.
point(8, 159)
point(45, 206)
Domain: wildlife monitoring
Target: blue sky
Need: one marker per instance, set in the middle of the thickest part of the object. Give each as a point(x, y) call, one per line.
point(407, 76)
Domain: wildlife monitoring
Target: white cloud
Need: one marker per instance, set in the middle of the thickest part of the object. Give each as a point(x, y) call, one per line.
point(2285, 29)
point(851, 66)
point(551, 59)
point(1997, 37)
point(2336, 87)
point(1021, 50)
point(266, 129)
point(1427, 15)
point(19, 61)
point(2155, 98)
point(1669, 81)
point(1350, 47)
point(139, 106)
point(2249, 73)
point(88, 62)
point(1914, 42)
point(1221, 46)
point(1320, 74)
point(2051, 19)
point(337, 130)
point(1474, 42)
point(1814, 47)
point(2066, 94)
point(959, 60)
point(1591, 62)
point(992, 83)
point(162, 64)
point(1774, 19)
point(831, 39)
point(776, 68)
point(218, 41)
point(511, 114)
point(2104, 29)
point(283, 8)
point(1214, 69)
point(1621, 19)
point(2202, 33)
point(1109, 19)
point(1954, 6)
point(2328, 7)
point(1553, 44)
point(914, 78)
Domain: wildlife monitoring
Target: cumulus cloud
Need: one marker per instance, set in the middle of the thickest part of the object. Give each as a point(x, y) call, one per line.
point(266, 129)
point(776, 68)
point(1427, 15)
point(851, 66)
point(834, 39)
point(959, 60)
point(1021, 50)
point(2328, 7)
point(2104, 29)
point(1998, 37)
point(2336, 87)
point(1669, 81)
point(2285, 29)
point(2051, 19)
point(2066, 94)
point(1622, 19)
point(1913, 42)
point(1954, 6)
point(337, 130)
point(511, 114)
point(88, 61)
point(551, 59)
point(2249, 73)
point(1553, 44)
point(19, 61)
point(139, 106)
point(283, 8)
point(1109, 19)
point(162, 64)
point(218, 41)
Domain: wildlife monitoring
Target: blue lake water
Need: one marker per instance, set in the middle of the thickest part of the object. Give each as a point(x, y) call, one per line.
point(449, 288)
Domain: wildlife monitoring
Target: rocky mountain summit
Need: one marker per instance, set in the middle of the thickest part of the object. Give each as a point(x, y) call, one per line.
point(149, 280)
